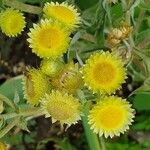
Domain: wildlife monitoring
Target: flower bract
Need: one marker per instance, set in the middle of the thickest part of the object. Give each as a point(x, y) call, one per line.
point(35, 85)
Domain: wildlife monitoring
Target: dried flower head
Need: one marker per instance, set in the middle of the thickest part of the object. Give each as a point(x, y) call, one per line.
point(116, 35)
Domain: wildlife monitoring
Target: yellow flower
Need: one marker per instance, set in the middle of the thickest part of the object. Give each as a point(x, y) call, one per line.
point(12, 22)
point(64, 13)
point(35, 86)
point(104, 73)
point(48, 39)
point(69, 79)
point(3, 146)
point(62, 107)
point(111, 116)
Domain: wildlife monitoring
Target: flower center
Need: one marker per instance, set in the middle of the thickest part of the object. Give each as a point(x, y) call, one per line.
point(104, 73)
point(49, 38)
point(15, 23)
point(63, 13)
point(59, 110)
point(111, 117)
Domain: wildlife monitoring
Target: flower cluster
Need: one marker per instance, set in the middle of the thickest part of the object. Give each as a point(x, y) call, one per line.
point(54, 86)
point(104, 73)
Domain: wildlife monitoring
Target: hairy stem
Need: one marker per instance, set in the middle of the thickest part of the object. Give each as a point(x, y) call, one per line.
point(91, 137)
point(8, 127)
point(23, 7)
point(26, 113)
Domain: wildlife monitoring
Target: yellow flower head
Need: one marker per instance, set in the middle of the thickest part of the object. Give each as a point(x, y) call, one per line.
point(111, 116)
point(48, 39)
point(12, 22)
point(104, 73)
point(35, 86)
point(64, 13)
point(3, 146)
point(69, 79)
point(62, 107)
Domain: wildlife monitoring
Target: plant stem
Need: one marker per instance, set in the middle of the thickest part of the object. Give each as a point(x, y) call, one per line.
point(26, 113)
point(128, 20)
point(92, 138)
point(8, 127)
point(23, 7)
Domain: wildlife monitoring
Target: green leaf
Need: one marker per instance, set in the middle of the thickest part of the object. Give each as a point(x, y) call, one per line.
point(142, 122)
point(86, 4)
point(142, 36)
point(89, 15)
point(141, 101)
point(31, 1)
point(65, 145)
point(11, 86)
point(23, 124)
point(144, 5)
point(144, 88)
point(116, 17)
point(16, 97)
point(2, 122)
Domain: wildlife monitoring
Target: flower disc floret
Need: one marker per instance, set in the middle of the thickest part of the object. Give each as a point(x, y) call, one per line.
point(104, 73)
point(12, 22)
point(62, 107)
point(111, 116)
point(64, 13)
point(48, 39)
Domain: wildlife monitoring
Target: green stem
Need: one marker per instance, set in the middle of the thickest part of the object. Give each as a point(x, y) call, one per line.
point(8, 127)
point(128, 20)
point(26, 113)
point(92, 138)
point(23, 7)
